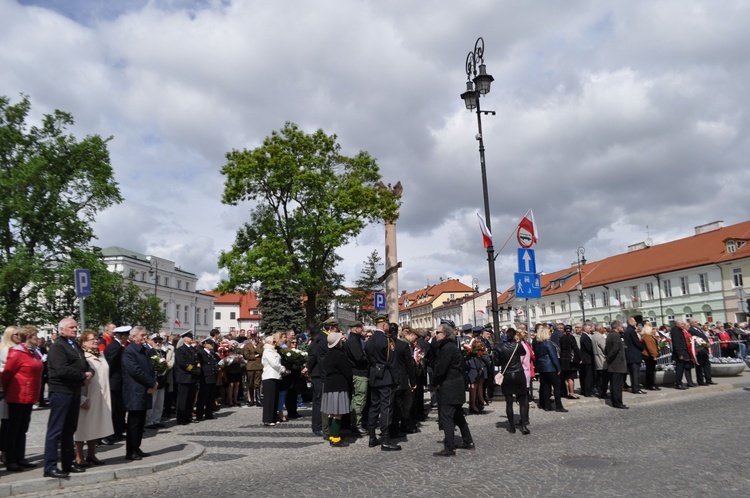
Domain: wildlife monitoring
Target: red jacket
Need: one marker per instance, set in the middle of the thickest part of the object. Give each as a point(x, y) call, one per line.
point(22, 376)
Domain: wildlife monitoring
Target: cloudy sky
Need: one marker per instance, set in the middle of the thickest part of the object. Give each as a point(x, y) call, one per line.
point(615, 120)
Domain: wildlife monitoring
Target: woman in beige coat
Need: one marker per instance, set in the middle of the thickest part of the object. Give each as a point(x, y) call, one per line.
point(95, 417)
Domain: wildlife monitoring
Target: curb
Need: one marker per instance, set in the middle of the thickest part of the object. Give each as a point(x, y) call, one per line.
point(97, 476)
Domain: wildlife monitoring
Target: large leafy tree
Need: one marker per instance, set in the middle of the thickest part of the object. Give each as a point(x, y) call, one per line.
point(281, 309)
point(309, 200)
point(53, 185)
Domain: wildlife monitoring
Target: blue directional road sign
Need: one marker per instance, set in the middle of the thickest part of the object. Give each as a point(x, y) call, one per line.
point(526, 260)
point(528, 285)
point(379, 301)
point(83, 282)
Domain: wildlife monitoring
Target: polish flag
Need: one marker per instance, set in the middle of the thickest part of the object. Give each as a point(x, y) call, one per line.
point(177, 322)
point(486, 235)
point(527, 227)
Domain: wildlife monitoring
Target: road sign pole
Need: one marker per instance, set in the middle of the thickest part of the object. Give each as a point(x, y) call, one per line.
point(83, 316)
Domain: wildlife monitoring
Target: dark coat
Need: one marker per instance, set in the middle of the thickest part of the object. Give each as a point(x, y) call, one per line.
point(587, 349)
point(356, 354)
point(570, 354)
point(406, 373)
point(448, 375)
point(67, 367)
point(113, 355)
point(209, 367)
point(317, 352)
point(187, 365)
point(546, 357)
point(137, 378)
point(381, 355)
point(679, 344)
point(615, 353)
point(633, 346)
point(338, 370)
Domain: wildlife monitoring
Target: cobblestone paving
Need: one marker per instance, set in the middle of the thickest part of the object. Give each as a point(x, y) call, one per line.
point(697, 445)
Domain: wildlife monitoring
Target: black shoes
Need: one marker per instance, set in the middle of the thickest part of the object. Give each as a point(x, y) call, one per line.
point(373, 442)
point(561, 410)
point(26, 464)
point(466, 446)
point(318, 433)
point(525, 430)
point(133, 457)
point(57, 473)
point(142, 454)
point(390, 447)
point(75, 469)
point(680, 387)
point(711, 383)
point(107, 441)
point(340, 444)
point(621, 407)
point(13, 467)
point(444, 453)
point(359, 432)
point(640, 391)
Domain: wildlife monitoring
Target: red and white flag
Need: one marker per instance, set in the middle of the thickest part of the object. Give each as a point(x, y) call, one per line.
point(177, 322)
point(486, 235)
point(527, 230)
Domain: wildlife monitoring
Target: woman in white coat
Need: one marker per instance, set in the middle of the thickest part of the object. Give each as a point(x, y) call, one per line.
point(272, 371)
point(95, 416)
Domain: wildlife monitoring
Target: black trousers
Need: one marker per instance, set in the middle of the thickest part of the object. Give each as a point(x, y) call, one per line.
point(381, 410)
point(617, 381)
point(549, 381)
point(61, 426)
point(650, 381)
point(603, 377)
point(270, 400)
point(118, 412)
point(206, 401)
point(135, 424)
point(679, 370)
point(450, 417)
point(19, 416)
point(586, 378)
point(317, 418)
point(703, 367)
point(634, 370)
point(185, 398)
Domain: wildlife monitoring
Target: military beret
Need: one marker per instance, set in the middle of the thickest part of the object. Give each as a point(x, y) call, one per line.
point(466, 327)
point(331, 322)
point(355, 324)
point(381, 318)
point(477, 330)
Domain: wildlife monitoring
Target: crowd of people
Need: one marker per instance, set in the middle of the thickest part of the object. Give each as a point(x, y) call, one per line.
point(361, 382)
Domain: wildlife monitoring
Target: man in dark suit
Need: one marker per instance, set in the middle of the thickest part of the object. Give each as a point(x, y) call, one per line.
point(317, 351)
point(208, 378)
point(380, 350)
point(68, 373)
point(360, 375)
point(633, 356)
point(406, 375)
point(138, 383)
point(679, 352)
point(449, 380)
point(586, 368)
point(113, 355)
point(616, 364)
point(703, 367)
point(187, 367)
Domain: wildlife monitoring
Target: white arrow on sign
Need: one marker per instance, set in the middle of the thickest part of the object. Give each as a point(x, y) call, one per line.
point(527, 261)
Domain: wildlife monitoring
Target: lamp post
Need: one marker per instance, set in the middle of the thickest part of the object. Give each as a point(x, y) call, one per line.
point(475, 286)
point(476, 86)
point(580, 252)
point(154, 272)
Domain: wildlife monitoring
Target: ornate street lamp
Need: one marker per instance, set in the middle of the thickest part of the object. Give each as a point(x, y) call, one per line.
point(580, 252)
point(478, 84)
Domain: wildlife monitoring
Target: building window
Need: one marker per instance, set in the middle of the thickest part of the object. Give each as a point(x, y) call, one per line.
point(703, 282)
point(634, 294)
point(552, 307)
point(185, 313)
point(668, 289)
point(232, 315)
point(187, 286)
point(688, 316)
point(605, 298)
point(197, 315)
point(730, 247)
point(217, 315)
point(684, 286)
point(177, 311)
point(179, 284)
point(670, 319)
point(649, 290)
point(205, 317)
point(164, 306)
point(166, 281)
point(143, 276)
point(254, 312)
point(563, 306)
point(737, 277)
point(618, 297)
point(544, 309)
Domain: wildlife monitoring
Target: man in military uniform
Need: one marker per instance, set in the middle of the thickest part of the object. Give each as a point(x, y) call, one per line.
point(316, 354)
point(380, 350)
point(187, 374)
point(207, 381)
point(354, 347)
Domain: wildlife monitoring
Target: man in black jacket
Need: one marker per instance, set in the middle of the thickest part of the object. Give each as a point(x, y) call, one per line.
point(616, 364)
point(316, 354)
point(380, 350)
point(586, 368)
point(187, 367)
point(113, 355)
point(354, 348)
point(679, 352)
point(209, 376)
point(406, 375)
point(633, 356)
point(448, 378)
point(68, 373)
point(138, 384)
point(703, 367)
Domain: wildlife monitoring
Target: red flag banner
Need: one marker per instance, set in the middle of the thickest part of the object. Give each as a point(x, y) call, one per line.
point(527, 234)
point(177, 322)
point(486, 235)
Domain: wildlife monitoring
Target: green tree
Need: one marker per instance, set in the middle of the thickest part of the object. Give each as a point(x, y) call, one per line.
point(53, 185)
point(309, 201)
point(281, 310)
point(360, 299)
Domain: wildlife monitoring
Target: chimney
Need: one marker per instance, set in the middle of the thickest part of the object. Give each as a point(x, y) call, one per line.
point(709, 227)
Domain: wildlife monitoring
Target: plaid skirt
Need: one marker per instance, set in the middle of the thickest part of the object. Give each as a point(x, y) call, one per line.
point(335, 403)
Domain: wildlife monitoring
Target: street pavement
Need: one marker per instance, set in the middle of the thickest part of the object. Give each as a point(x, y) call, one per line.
point(681, 443)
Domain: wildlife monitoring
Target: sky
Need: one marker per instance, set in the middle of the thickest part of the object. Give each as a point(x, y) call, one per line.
point(615, 121)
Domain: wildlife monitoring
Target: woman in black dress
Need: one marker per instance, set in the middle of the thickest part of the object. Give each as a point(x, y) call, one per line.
point(514, 380)
point(570, 359)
